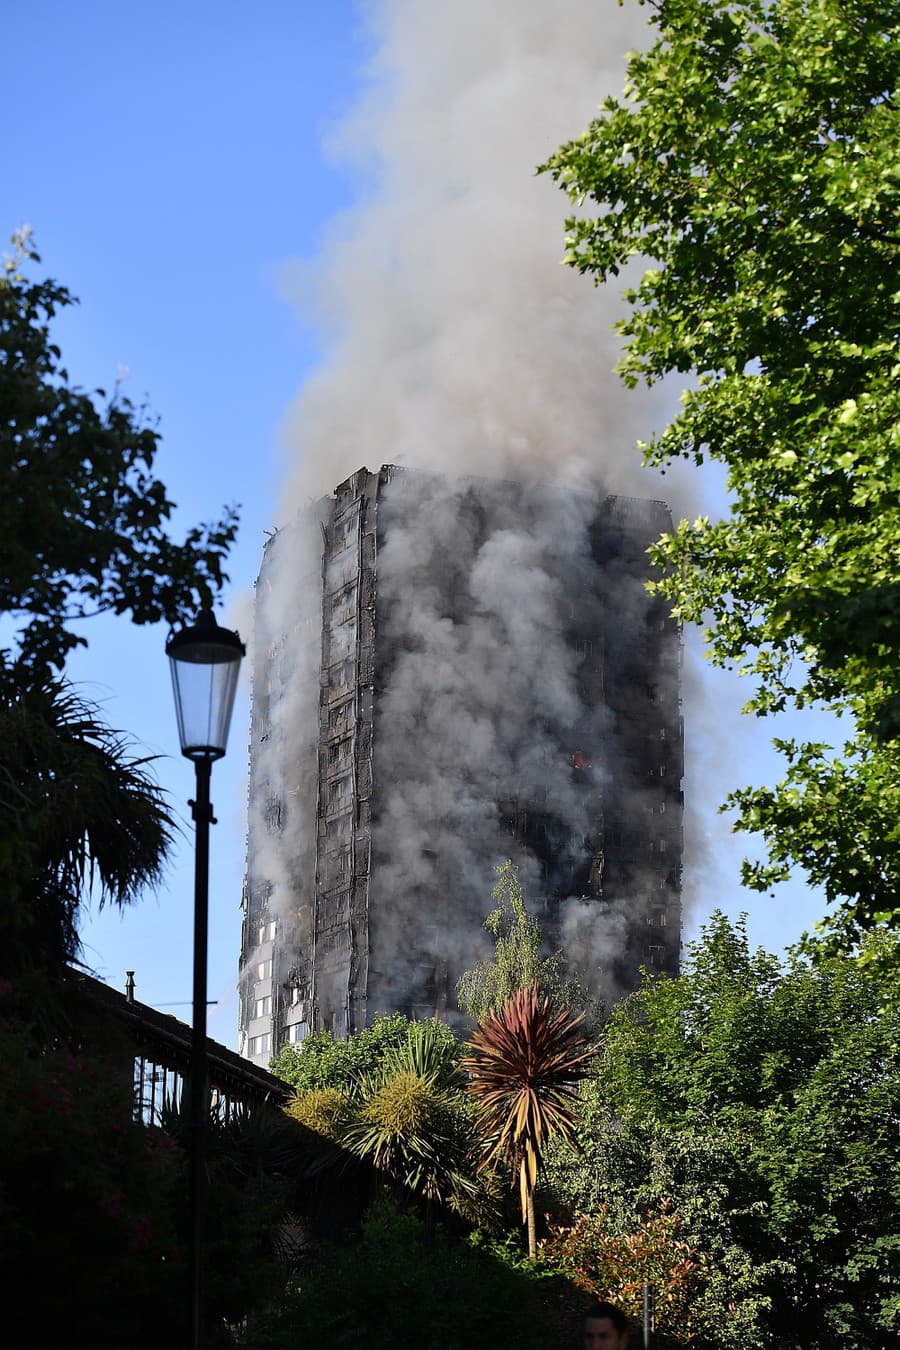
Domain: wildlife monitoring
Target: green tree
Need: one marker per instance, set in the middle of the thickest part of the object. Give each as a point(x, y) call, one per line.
point(633, 1173)
point(524, 1062)
point(754, 164)
point(759, 1098)
point(517, 962)
point(82, 518)
point(83, 530)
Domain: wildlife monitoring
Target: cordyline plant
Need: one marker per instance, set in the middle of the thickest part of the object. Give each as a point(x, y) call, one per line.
point(524, 1063)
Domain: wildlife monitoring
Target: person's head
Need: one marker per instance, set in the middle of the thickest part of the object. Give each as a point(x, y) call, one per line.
point(605, 1328)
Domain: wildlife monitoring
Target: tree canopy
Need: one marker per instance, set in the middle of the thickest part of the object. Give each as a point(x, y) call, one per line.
point(82, 530)
point(83, 521)
point(518, 960)
point(323, 1062)
point(752, 169)
point(757, 1098)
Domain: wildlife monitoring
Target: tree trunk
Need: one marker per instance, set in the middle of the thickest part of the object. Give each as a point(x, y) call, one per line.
point(529, 1213)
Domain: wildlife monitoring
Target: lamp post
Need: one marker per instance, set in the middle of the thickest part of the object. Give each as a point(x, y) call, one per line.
point(204, 661)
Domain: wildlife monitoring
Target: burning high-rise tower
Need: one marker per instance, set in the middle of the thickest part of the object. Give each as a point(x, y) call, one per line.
point(472, 670)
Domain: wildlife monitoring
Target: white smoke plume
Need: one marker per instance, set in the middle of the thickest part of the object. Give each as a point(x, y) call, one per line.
point(456, 341)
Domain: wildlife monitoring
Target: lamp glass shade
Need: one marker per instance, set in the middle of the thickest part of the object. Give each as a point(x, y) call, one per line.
point(205, 662)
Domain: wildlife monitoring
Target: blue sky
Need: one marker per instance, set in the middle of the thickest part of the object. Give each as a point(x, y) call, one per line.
point(170, 160)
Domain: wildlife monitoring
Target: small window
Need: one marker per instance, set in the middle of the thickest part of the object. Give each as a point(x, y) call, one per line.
point(263, 1007)
point(264, 970)
point(267, 932)
point(297, 1033)
point(259, 1045)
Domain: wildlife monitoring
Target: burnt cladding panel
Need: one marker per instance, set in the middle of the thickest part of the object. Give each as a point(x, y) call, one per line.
point(643, 817)
point(342, 861)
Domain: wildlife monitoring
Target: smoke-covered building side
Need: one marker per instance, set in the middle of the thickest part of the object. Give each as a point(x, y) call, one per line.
point(464, 671)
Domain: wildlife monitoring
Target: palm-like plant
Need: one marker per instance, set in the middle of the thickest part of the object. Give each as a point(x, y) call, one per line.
point(524, 1063)
point(412, 1123)
point(76, 812)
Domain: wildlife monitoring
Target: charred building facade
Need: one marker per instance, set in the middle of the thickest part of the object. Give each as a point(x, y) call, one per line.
point(447, 674)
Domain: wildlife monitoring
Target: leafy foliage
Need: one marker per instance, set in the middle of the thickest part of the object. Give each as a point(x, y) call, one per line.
point(614, 1267)
point(76, 811)
point(105, 1198)
point(524, 1063)
point(753, 163)
point(84, 1192)
point(633, 1172)
point(82, 519)
point(411, 1121)
point(261, 1165)
point(321, 1061)
point(517, 962)
point(322, 1110)
point(399, 1107)
point(392, 1288)
point(83, 525)
point(759, 1098)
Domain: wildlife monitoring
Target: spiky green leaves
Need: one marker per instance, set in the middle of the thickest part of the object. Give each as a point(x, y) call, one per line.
point(524, 1065)
point(325, 1111)
point(77, 811)
point(405, 1113)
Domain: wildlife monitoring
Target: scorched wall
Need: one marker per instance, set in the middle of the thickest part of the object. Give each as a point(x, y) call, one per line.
point(446, 674)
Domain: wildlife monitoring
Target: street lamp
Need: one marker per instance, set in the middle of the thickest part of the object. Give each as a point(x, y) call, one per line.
point(205, 661)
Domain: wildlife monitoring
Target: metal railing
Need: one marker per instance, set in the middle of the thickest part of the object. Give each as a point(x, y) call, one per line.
point(158, 1050)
